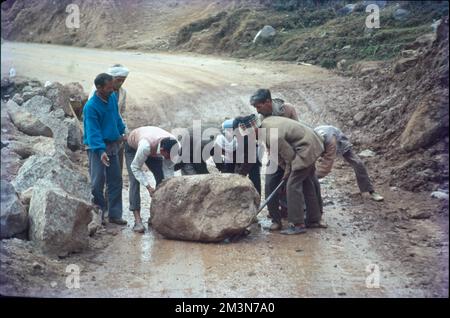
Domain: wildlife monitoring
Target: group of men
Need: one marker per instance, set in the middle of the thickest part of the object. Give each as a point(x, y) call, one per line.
point(303, 155)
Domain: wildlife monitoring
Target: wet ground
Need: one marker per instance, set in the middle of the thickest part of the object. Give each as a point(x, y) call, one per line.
point(368, 250)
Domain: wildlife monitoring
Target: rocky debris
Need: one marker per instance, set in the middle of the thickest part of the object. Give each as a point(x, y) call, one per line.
point(54, 227)
point(267, 32)
point(206, 208)
point(14, 217)
point(29, 124)
point(77, 97)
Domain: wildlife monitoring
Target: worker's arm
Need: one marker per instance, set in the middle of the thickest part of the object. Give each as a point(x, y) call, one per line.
point(93, 131)
point(325, 162)
point(141, 156)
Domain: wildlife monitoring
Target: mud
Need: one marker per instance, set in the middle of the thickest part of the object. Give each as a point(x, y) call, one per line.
point(410, 253)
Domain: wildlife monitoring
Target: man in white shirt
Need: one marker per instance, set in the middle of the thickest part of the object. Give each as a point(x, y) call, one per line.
point(151, 146)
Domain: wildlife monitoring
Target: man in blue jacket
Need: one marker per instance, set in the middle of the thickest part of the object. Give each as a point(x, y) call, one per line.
point(103, 131)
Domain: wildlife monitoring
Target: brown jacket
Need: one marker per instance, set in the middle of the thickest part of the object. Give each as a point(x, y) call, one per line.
point(298, 145)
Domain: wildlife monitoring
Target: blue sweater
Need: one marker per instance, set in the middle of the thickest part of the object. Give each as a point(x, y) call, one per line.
point(102, 122)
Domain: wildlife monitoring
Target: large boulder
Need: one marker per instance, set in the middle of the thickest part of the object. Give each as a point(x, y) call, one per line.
point(267, 32)
point(428, 122)
point(13, 215)
point(51, 169)
point(58, 220)
point(28, 124)
point(206, 208)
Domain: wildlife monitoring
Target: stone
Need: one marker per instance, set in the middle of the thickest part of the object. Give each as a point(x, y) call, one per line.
point(60, 97)
point(50, 168)
point(74, 135)
point(267, 32)
point(18, 99)
point(367, 153)
point(346, 10)
point(204, 208)
point(28, 124)
point(427, 123)
point(439, 195)
point(358, 118)
point(58, 220)
point(405, 63)
point(38, 105)
point(13, 215)
point(401, 14)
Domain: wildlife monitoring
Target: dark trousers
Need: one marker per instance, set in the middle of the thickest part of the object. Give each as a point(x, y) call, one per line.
point(303, 190)
point(318, 192)
point(99, 173)
point(154, 164)
point(362, 177)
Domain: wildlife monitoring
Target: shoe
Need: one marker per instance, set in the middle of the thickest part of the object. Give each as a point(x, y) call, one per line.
point(138, 227)
point(376, 197)
point(294, 229)
point(275, 226)
point(316, 225)
point(118, 221)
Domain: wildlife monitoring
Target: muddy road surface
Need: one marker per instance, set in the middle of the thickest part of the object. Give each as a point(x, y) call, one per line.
point(370, 249)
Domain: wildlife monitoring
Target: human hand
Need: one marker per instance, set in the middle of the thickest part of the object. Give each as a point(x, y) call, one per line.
point(105, 159)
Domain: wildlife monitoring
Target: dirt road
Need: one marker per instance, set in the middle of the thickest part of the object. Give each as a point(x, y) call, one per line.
point(366, 242)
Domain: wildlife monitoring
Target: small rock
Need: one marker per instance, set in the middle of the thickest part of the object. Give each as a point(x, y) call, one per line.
point(367, 153)
point(439, 195)
point(421, 215)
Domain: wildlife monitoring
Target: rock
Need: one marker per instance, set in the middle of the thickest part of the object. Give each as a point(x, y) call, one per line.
point(29, 94)
point(51, 169)
point(38, 105)
point(436, 24)
point(58, 220)
point(347, 47)
point(359, 117)
point(60, 97)
point(409, 53)
point(401, 14)
point(17, 99)
point(380, 4)
point(342, 65)
point(28, 124)
point(11, 163)
point(267, 32)
point(420, 215)
point(346, 10)
point(367, 153)
point(204, 208)
point(427, 123)
point(439, 195)
point(25, 197)
point(74, 136)
point(405, 63)
point(96, 222)
point(423, 41)
point(13, 215)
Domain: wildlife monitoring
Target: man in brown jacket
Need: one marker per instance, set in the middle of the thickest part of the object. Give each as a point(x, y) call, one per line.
point(298, 148)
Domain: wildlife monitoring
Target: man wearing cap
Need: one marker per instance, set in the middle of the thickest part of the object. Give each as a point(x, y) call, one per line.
point(119, 74)
point(151, 146)
point(337, 144)
point(103, 131)
point(298, 149)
